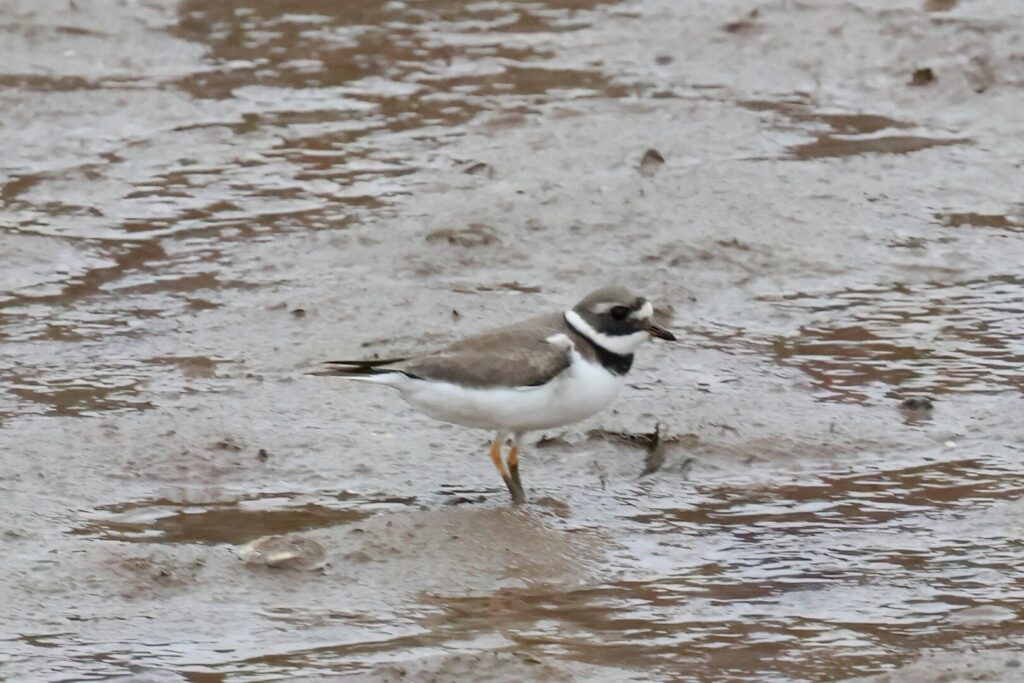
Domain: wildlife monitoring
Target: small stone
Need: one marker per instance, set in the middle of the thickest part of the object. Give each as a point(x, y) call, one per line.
point(923, 76)
point(651, 162)
point(479, 168)
point(917, 403)
point(284, 552)
point(476, 235)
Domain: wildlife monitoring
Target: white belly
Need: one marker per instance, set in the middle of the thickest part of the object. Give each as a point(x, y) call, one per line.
point(582, 390)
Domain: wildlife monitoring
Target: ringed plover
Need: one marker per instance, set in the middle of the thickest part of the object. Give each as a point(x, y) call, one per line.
point(541, 373)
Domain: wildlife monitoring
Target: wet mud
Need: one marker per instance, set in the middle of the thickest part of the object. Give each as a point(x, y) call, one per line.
point(199, 202)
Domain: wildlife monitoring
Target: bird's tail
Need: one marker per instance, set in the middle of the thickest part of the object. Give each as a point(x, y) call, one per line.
point(357, 369)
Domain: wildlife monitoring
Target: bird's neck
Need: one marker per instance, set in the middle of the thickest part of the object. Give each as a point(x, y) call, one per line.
point(615, 363)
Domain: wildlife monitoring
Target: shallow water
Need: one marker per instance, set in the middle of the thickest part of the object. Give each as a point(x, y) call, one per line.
point(201, 202)
point(931, 339)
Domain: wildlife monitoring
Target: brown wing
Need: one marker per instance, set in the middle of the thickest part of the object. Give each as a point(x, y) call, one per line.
point(514, 356)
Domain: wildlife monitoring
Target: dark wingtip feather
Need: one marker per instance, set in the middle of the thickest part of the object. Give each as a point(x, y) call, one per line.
point(344, 368)
point(365, 363)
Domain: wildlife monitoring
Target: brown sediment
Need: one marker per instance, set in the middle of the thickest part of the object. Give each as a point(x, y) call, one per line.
point(981, 220)
point(232, 522)
point(832, 146)
point(202, 201)
point(852, 133)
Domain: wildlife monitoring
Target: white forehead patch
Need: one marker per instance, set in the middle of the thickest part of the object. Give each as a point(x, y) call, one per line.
point(642, 313)
point(645, 311)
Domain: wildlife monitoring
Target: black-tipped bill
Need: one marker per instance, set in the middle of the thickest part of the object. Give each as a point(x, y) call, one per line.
point(661, 333)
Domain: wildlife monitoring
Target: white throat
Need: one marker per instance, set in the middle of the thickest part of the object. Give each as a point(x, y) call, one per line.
point(623, 345)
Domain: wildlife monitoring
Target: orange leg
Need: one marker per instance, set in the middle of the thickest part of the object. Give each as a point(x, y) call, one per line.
point(513, 488)
point(513, 468)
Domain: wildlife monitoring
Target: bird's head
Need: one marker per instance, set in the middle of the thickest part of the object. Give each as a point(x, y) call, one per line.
point(617, 319)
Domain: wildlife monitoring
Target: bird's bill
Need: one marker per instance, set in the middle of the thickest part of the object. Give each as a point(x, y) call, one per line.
point(661, 333)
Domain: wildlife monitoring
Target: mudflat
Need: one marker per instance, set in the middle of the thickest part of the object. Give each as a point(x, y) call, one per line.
point(201, 201)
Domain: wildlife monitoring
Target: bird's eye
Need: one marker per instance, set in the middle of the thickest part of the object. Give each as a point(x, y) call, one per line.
point(620, 312)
